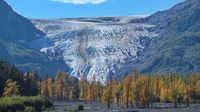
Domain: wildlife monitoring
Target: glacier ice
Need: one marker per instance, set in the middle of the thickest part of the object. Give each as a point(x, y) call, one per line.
point(97, 47)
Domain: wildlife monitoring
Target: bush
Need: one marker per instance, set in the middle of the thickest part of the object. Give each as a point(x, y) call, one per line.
point(196, 101)
point(70, 110)
point(80, 107)
point(14, 104)
point(29, 109)
point(6, 104)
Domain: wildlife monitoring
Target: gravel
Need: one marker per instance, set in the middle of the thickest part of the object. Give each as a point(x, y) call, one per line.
point(99, 107)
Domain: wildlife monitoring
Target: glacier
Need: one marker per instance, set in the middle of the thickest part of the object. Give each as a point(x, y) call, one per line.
point(103, 47)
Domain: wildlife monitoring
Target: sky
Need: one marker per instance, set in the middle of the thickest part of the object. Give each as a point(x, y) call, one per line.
point(88, 8)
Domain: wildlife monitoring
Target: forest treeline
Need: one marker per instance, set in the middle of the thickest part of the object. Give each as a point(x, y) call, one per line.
point(135, 90)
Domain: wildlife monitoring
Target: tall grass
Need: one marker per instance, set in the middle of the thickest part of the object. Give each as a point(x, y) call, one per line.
point(14, 104)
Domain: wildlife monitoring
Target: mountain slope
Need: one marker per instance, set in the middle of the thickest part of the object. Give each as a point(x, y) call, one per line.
point(163, 42)
point(177, 47)
point(106, 46)
point(14, 27)
point(16, 33)
point(30, 60)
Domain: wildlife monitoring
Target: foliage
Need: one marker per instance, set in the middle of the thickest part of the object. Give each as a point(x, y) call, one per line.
point(135, 90)
point(24, 103)
point(141, 91)
point(83, 88)
point(80, 107)
point(107, 94)
point(28, 83)
point(11, 89)
point(30, 109)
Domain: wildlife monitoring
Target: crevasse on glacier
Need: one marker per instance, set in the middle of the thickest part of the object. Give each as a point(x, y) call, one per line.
point(96, 48)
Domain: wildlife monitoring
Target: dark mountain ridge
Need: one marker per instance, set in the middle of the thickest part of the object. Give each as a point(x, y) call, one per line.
point(177, 46)
point(16, 33)
point(14, 27)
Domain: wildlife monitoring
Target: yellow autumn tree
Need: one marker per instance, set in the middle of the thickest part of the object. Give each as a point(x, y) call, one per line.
point(136, 92)
point(176, 90)
point(193, 79)
point(44, 88)
point(126, 90)
point(180, 90)
point(65, 90)
point(144, 91)
point(59, 86)
point(197, 88)
point(50, 87)
point(116, 91)
point(187, 96)
point(84, 86)
point(107, 97)
point(164, 91)
point(91, 93)
point(99, 90)
point(156, 87)
point(11, 88)
point(72, 93)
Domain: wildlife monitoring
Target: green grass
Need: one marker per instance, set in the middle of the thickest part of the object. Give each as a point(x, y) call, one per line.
point(14, 104)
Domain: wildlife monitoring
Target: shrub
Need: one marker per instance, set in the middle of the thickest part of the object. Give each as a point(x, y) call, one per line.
point(75, 110)
point(14, 104)
point(80, 107)
point(196, 101)
point(7, 104)
point(29, 109)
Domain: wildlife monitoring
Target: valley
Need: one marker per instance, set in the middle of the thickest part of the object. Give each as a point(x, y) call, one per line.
point(144, 63)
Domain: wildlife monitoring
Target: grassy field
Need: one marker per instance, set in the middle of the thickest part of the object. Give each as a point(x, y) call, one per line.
point(99, 107)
